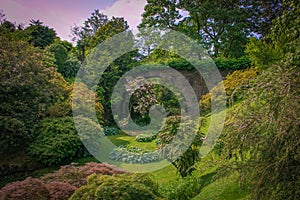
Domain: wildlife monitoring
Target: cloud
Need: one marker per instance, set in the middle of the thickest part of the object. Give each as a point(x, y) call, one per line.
point(131, 10)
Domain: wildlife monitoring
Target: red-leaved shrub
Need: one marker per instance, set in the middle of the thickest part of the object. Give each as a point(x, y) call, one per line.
point(59, 185)
point(76, 175)
point(60, 190)
point(30, 188)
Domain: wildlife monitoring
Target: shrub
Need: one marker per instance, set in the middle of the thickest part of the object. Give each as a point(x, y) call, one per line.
point(60, 190)
point(111, 131)
point(146, 137)
point(234, 85)
point(60, 109)
point(30, 188)
point(182, 189)
point(185, 163)
point(233, 63)
point(133, 155)
point(129, 186)
point(58, 141)
point(76, 175)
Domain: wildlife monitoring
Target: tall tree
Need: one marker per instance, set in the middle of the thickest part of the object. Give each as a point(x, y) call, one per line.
point(40, 35)
point(82, 34)
point(161, 14)
point(264, 136)
point(221, 24)
point(29, 85)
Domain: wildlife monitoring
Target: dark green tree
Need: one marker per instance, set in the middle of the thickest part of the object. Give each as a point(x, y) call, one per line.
point(82, 34)
point(29, 85)
point(39, 35)
point(262, 133)
point(161, 14)
point(221, 24)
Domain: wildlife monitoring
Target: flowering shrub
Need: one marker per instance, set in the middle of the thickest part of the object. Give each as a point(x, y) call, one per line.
point(30, 188)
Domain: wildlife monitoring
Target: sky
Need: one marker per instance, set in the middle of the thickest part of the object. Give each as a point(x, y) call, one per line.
point(63, 14)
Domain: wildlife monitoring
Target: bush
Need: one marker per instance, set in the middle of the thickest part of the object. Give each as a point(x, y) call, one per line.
point(234, 85)
point(133, 155)
point(60, 190)
point(58, 141)
point(146, 137)
point(133, 186)
point(60, 109)
point(221, 63)
point(111, 131)
point(233, 63)
point(76, 175)
point(30, 188)
point(183, 189)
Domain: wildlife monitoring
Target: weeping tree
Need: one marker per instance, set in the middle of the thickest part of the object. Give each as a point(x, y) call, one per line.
point(262, 134)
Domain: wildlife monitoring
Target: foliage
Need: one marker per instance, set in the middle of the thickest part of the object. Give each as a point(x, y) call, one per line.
point(234, 85)
point(60, 54)
point(59, 185)
point(60, 109)
point(39, 35)
point(111, 131)
point(165, 13)
point(60, 190)
point(146, 137)
point(58, 141)
point(214, 22)
point(82, 34)
point(233, 63)
point(269, 153)
point(30, 188)
point(29, 85)
point(262, 54)
point(133, 186)
point(85, 102)
point(77, 175)
point(131, 154)
point(183, 189)
point(185, 163)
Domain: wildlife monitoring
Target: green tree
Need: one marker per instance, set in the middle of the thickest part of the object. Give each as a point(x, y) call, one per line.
point(262, 134)
point(160, 14)
point(82, 34)
point(39, 35)
point(60, 54)
point(221, 24)
point(29, 85)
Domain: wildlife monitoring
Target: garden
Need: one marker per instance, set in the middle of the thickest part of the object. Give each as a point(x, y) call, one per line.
point(64, 137)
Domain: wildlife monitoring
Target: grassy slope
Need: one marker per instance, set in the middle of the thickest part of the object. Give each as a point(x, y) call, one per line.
point(224, 188)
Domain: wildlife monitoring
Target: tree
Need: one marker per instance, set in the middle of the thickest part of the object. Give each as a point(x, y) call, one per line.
point(29, 85)
point(39, 35)
point(161, 14)
point(261, 13)
point(262, 134)
point(221, 24)
point(60, 54)
point(82, 34)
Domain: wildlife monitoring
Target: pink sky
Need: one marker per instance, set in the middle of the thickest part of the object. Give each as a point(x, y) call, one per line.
point(62, 14)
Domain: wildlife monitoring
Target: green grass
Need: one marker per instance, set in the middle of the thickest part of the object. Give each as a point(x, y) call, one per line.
point(123, 139)
point(225, 188)
point(165, 175)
